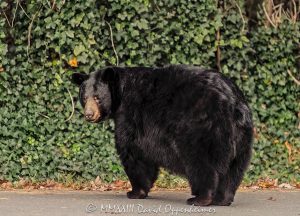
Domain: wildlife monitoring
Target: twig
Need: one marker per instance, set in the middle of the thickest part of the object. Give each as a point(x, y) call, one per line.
point(221, 6)
point(73, 106)
point(24, 11)
point(156, 6)
point(112, 43)
point(49, 3)
point(295, 15)
point(240, 11)
point(267, 15)
point(276, 16)
point(30, 29)
point(218, 53)
point(47, 117)
point(294, 78)
point(295, 11)
point(7, 19)
point(286, 14)
point(280, 11)
point(53, 4)
point(13, 20)
point(277, 6)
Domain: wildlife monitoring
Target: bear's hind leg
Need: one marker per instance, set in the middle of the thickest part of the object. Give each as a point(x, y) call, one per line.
point(203, 179)
point(222, 197)
point(229, 183)
point(142, 174)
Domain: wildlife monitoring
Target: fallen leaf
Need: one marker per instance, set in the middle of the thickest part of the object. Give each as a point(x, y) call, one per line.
point(119, 183)
point(286, 186)
point(266, 184)
point(73, 62)
point(271, 199)
point(289, 147)
point(254, 187)
point(98, 181)
point(7, 185)
point(22, 183)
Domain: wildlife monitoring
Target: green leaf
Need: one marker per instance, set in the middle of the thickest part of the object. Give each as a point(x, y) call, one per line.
point(78, 49)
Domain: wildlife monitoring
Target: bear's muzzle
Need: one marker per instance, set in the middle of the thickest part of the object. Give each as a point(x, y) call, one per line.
point(91, 110)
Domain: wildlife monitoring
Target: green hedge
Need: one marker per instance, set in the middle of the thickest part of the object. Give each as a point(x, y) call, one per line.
point(42, 44)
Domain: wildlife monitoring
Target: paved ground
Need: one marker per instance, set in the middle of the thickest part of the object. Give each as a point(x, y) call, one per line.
point(75, 203)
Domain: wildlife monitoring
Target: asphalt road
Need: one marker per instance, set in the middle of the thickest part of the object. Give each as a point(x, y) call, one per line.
point(75, 203)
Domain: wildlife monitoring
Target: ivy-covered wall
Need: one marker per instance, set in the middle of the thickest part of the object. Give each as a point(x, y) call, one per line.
point(43, 135)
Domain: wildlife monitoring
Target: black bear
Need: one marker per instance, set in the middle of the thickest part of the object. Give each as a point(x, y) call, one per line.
point(191, 121)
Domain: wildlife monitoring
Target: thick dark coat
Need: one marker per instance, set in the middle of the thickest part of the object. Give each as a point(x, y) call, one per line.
point(193, 122)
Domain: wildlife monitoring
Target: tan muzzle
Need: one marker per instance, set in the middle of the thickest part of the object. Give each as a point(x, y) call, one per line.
point(91, 110)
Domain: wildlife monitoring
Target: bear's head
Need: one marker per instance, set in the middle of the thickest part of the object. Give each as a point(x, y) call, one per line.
point(98, 93)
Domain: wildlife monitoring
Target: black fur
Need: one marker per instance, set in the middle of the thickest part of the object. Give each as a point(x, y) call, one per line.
point(191, 121)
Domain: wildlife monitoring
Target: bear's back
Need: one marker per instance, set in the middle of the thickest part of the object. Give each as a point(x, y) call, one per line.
point(180, 88)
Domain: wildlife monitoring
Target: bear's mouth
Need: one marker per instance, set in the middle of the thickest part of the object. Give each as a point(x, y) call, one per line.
point(92, 111)
point(96, 119)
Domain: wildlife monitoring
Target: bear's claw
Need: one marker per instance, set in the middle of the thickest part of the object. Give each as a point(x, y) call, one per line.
point(137, 194)
point(197, 201)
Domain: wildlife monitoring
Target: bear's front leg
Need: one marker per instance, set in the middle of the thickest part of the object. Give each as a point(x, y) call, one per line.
point(141, 172)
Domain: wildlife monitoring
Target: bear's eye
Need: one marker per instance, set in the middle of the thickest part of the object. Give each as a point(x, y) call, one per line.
point(84, 99)
point(96, 98)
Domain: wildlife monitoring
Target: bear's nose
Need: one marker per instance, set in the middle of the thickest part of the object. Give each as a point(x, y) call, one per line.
point(89, 114)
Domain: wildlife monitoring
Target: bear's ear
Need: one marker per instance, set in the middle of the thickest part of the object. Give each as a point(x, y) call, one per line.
point(109, 75)
point(79, 78)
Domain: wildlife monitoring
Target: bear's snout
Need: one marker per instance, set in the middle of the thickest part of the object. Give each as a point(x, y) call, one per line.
point(89, 114)
point(91, 110)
